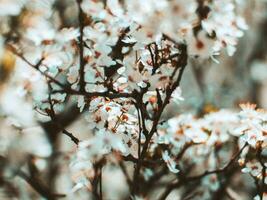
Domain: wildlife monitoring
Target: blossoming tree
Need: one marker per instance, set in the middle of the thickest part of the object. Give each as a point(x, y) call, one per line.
point(115, 66)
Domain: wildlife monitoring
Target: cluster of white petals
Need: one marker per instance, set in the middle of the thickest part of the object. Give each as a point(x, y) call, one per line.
point(120, 63)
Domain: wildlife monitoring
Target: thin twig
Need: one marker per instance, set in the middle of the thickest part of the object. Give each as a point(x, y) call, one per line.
point(81, 47)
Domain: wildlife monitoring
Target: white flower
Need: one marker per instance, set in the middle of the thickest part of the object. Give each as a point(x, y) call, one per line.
point(115, 7)
point(81, 164)
point(252, 136)
point(81, 103)
point(105, 60)
point(257, 197)
point(200, 45)
point(196, 134)
point(211, 182)
point(59, 97)
point(129, 40)
point(170, 162)
point(101, 144)
point(177, 95)
point(253, 168)
point(81, 183)
point(73, 74)
point(11, 7)
point(67, 34)
point(102, 48)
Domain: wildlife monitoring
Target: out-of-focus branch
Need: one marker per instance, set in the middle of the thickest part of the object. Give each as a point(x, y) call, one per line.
point(220, 170)
point(180, 65)
point(39, 187)
point(185, 179)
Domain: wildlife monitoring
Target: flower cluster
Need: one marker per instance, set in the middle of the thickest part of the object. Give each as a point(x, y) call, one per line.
point(202, 137)
point(115, 67)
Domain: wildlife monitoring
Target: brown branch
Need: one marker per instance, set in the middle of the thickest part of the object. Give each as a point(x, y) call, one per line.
point(199, 177)
point(81, 47)
point(220, 170)
point(71, 136)
point(39, 187)
point(181, 64)
point(36, 66)
point(169, 189)
point(262, 188)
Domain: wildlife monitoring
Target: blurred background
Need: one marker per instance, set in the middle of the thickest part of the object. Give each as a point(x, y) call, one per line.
point(206, 86)
point(239, 78)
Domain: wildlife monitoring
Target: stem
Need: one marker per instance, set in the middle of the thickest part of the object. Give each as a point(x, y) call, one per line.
point(81, 47)
point(100, 183)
